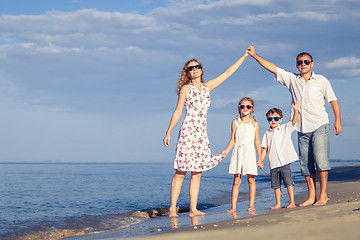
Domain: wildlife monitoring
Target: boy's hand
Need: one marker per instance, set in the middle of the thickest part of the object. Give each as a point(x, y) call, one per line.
point(260, 164)
point(296, 107)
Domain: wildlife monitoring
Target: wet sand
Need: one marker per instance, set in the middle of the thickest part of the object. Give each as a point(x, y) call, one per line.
point(339, 219)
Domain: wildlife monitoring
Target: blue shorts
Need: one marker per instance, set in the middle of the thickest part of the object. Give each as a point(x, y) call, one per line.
point(284, 173)
point(314, 150)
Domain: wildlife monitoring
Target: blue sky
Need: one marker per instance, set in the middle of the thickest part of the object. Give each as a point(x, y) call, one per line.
point(94, 81)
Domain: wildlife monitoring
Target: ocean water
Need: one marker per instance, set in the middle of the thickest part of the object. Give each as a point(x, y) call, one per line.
point(49, 201)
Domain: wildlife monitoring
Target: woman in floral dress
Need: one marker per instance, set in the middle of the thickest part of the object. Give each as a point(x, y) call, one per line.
point(193, 149)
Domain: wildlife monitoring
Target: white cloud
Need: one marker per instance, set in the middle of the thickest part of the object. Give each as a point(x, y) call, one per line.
point(316, 16)
point(344, 62)
point(349, 66)
point(249, 20)
point(34, 49)
point(55, 27)
point(230, 3)
point(210, 4)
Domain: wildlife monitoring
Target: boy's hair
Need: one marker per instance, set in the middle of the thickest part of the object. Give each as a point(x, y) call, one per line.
point(274, 110)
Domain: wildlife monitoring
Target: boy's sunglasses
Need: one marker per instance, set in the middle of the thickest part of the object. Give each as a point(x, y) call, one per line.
point(307, 62)
point(273, 118)
point(189, 69)
point(247, 106)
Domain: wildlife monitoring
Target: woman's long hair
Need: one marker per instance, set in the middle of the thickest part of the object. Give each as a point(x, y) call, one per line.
point(183, 78)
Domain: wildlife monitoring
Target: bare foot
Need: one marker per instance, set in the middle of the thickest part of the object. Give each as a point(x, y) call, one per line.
point(277, 206)
point(234, 215)
point(251, 209)
point(196, 213)
point(322, 201)
point(291, 205)
point(308, 202)
point(173, 214)
point(231, 211)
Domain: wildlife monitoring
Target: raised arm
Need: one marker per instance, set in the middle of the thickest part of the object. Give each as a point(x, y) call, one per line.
point(231, 142)
point(177, 113)
point(266, 64)
point(336, 109)
point(296, 108)
point(214, 83)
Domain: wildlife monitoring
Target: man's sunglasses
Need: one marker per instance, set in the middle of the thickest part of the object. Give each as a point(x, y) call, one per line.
point(273, 118)
point(307, 62)
point(247, 106)
point(189, 69)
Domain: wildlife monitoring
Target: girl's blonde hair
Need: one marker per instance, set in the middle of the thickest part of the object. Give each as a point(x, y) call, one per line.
point(252, 103)
point(183, 78)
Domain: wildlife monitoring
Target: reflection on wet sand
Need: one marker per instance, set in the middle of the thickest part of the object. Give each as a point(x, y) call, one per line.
point(195, 221)
point(174, 222)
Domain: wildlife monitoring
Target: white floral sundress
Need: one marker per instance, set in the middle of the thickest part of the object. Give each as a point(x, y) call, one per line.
point(193, 147)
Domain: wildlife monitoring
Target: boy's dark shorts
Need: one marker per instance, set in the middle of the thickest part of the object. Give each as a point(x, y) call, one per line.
point(284, 173)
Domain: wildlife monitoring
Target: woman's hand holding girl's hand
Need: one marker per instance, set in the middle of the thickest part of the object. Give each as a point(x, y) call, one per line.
point(224, 153)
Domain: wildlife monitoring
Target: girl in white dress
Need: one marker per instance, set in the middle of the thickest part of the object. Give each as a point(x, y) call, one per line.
point(245, 137)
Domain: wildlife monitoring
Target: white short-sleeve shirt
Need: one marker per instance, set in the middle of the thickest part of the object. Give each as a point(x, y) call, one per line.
point(312, 112)
point(279, 146)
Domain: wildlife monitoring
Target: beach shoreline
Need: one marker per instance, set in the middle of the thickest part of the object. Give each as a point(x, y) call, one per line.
point(340, 218)
point(343, 191)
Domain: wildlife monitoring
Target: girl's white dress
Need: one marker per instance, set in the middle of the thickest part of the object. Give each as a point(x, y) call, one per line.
point(243, 158)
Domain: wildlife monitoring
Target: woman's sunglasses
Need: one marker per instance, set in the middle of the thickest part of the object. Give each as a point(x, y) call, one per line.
point(276, 119)
point(189, 69)
point(307, 62)
point(247, 106)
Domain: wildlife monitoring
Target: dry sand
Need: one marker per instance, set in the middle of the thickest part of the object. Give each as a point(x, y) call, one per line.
point(339, 219)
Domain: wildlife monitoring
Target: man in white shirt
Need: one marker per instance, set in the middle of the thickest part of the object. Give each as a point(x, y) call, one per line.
point(313, 126)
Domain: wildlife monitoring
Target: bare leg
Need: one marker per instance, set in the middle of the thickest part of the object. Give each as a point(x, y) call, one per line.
point(175, 191)
point(323, 179)
point(235, 193)
point(291, 196)
point(278, 199)
point(194, 193)
point(310, 182)
point(252, 192)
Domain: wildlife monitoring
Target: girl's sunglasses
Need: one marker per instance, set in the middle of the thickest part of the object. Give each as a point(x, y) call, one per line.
point(276, 119)
point(247, 106)
point(307, 62)
point(189, 69)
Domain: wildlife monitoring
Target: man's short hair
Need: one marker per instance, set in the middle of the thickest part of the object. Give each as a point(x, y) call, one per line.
point(274, 111)
point(302, 54)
